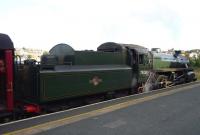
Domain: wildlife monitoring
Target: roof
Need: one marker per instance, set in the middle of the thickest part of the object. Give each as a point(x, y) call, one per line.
point(117, 47)
point(5, 42)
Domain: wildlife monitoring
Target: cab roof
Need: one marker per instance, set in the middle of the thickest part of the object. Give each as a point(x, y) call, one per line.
point(5, 42)
point(118, 47)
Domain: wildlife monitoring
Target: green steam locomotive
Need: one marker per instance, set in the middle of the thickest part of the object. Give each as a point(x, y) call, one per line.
point(65, 74)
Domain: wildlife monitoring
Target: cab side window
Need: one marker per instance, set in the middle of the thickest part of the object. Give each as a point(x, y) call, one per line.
point(141, 58)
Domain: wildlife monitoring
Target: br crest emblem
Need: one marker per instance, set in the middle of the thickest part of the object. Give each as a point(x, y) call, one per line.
point(95, 80)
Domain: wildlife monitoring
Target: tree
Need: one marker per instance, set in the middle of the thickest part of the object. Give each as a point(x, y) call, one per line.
point(29, 56)
point(45, 53)
point(195, 61)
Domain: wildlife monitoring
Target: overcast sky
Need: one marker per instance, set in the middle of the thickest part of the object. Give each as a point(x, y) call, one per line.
point(85, 24)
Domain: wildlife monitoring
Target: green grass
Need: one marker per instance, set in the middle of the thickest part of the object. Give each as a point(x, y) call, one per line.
point(197, 73)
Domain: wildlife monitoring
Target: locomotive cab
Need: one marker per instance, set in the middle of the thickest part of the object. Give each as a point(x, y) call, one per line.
point(6, 74)
point(137, 57)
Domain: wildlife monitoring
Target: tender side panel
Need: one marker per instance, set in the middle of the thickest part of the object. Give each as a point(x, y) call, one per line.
point(59, 85)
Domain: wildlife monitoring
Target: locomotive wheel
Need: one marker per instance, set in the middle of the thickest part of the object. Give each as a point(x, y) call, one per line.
point(161, 81)
point(140, 89)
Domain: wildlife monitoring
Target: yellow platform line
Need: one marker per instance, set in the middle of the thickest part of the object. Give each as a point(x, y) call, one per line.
point(53, 124)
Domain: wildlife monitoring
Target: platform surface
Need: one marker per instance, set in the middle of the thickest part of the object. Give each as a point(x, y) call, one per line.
point(176, 114)
point(171, 112)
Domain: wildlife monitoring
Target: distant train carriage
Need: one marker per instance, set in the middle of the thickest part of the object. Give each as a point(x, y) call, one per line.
point(6, 75)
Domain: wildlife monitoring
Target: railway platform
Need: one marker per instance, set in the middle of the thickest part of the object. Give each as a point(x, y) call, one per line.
point(169, 111)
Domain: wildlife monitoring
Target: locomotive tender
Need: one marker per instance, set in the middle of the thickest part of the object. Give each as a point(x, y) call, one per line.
point(65, 74)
